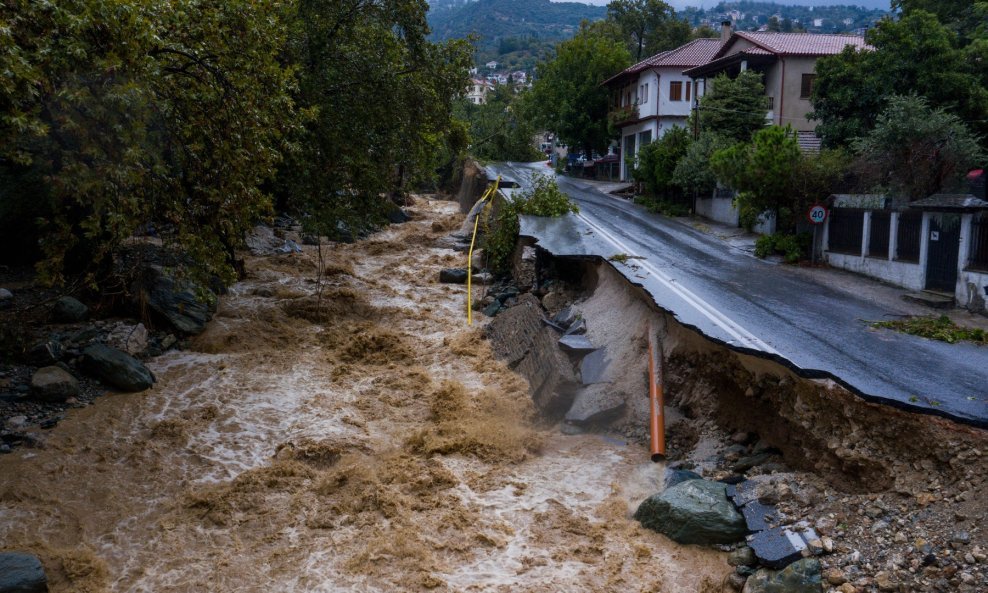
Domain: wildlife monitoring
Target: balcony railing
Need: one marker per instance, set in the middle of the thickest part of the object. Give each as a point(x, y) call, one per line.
point(619, 116)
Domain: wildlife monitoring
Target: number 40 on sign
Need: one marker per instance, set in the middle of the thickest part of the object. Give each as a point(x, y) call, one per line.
point(817, 214)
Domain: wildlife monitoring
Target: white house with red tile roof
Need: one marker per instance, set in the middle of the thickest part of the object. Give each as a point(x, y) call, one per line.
point(654, 95)
point(787, 62)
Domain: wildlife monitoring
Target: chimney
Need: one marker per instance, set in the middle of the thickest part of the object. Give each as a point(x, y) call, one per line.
point(725, 31)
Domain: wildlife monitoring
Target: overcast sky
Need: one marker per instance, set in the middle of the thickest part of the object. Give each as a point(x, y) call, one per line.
point(680, 4)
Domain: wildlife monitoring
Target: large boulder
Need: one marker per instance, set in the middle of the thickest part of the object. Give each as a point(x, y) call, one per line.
point(54, 384)
point(116, 368)
point(6, 299)
point(802, 576)
point(21, 573)
point(453, 275)
point(693, 512)
point(69, 310)
point(183, 305)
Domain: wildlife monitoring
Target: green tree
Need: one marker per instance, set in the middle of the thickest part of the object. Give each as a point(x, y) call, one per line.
point(657, 161)
point(915, 150)
point(692, 172)
point(761, 171)
point(500, 129)
point(734, 108)
point(121, 115)
point(567, 96)
point(649, 26)
point(917, 53)
point(379, 98)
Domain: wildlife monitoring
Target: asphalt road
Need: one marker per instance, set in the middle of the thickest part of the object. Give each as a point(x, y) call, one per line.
point(765, 309)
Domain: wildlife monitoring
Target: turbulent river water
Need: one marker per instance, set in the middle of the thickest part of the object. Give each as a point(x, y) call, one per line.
point(352, 434)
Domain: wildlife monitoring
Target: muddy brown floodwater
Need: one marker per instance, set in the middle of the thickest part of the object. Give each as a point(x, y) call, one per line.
point(366, 440)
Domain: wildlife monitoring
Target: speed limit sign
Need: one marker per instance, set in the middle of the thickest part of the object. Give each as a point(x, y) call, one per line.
point(817, 214)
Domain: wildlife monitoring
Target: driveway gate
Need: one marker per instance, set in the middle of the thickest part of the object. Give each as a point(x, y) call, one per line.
point(944, 244)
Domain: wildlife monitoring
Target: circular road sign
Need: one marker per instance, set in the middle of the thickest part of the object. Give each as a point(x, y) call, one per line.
point(817, 214)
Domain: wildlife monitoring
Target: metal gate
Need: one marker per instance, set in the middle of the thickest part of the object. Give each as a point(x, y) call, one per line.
point(944, 243)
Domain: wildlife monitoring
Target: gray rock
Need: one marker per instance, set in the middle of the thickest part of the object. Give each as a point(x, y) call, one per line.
point(593, 367)
point(596, 404)
point(45, 353)
point(742, 556)
point(746, 463)
point(507, 294)
point(116, 368)
point(69, 310)
point(693, 512)
point(177, 302)
point(576, 344)
point(492, 309)
point(397, 216)
point(53, 384)
point(6, 299)
point(261, 240)
point(21, 573)
point(578, 328)
point(800, 577)
point(132, 339)
point(453, 275)
point(565, 317)
point(678, 476)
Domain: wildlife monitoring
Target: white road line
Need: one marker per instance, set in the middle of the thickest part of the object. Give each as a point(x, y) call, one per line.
point(743, 336)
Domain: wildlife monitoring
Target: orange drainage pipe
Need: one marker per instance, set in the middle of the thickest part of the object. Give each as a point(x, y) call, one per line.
point(657, 423)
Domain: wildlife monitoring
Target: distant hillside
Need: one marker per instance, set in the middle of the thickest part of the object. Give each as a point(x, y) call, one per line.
point(492, 20)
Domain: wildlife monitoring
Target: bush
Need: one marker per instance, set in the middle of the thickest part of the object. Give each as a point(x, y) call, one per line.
point(793, 248)
point(544, 199)
point(664, 207)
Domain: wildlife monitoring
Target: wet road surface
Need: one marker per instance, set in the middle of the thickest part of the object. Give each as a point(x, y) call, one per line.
point(765, 309)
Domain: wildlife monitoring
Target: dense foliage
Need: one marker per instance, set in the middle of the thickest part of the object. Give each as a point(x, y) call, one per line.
point(648, 26)
point(657, 162)
point(500, 129)
point(179, 118)
point(733, 108)
point(543, 199)
point(568, 98)
point(944, 61)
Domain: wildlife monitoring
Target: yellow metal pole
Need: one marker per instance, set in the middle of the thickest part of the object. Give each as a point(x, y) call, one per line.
point(476, 221)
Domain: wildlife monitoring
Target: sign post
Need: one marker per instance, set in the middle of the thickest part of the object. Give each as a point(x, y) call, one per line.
point(817, 214)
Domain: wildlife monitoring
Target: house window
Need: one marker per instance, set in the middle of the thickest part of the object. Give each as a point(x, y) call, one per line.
point(688, 88)
point(644, 138)
point(645, 94)
point(806, 87)
point(770, 103)
point(675, 90)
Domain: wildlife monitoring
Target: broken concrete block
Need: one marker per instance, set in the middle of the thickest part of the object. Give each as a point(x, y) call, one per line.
point(779, 547)
point(758, 516)
point(576, 344)
point(593, 367)
point(578, 328)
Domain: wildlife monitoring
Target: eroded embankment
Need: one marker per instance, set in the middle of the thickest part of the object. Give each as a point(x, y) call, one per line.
point(818, 425)
point(338, 427)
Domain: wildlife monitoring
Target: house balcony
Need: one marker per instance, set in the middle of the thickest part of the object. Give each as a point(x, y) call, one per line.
point(619, 116)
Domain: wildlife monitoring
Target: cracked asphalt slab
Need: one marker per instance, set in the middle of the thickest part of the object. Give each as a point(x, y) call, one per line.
point(764, 309)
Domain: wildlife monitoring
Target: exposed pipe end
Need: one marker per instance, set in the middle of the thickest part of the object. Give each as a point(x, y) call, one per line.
point(657, 457)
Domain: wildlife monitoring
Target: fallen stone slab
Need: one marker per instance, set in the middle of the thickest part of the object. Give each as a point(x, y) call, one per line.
point(576, 344)
point(802, 576)
point(453, 275)
point(565, 317)
point(593, 367)
point(116, 368)
point(597, 404)
point(693, 512)
point(780, 546)
point(21, 573)
point(578, 328)
point(760, 517)
point(53, 384)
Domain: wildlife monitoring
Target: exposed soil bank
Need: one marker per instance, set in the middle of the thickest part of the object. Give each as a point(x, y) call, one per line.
point(357, 436)
point(842, 456)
